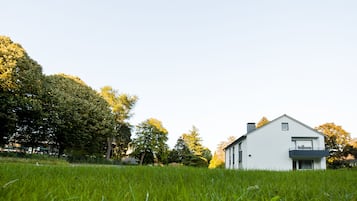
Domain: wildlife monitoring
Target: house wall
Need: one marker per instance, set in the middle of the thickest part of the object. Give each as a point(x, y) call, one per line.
point(244, 155)
point(227, 163)
point(268, 147)
point(235, 164)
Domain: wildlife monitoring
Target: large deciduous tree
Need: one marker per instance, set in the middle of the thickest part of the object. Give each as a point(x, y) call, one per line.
point(11, 54)
point(336, 140)
point(8, 117)
point(20, 95)
point(121, 106)
point(151, 138)
point(78, 119)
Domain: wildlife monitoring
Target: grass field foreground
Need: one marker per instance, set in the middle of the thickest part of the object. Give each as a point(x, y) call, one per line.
point(21, 181)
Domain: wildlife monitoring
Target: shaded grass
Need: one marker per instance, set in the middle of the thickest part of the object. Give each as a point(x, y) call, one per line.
point(38, 160)
point(49, 182)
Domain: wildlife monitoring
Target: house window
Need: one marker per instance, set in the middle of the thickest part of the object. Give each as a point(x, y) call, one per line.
point(233, 155)
point(305, 164)
point(284, 126)
point(240, 155)
point(229, 156)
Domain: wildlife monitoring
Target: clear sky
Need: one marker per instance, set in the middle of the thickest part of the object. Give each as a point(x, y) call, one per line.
point(213, 64)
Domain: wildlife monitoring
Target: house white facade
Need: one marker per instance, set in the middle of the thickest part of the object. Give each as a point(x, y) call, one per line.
point(282, 144)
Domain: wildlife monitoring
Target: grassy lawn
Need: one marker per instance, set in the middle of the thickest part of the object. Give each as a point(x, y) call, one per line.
point(28, 181)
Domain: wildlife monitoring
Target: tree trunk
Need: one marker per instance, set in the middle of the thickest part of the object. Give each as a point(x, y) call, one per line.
point(142, 158)
point(60, 150)
point(109, 148)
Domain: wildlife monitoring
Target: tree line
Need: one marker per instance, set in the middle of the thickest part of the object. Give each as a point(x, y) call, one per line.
point(63, 113)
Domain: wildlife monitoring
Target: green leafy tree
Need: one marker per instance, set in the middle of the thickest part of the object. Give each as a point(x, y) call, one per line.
point(262, 122)
point(78, 119)
point(151, 138)
point(336, 140)
point(20, 93)
point(8, 117)
point(121, 106)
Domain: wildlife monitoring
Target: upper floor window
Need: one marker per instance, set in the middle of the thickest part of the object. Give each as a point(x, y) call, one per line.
point(284, 126)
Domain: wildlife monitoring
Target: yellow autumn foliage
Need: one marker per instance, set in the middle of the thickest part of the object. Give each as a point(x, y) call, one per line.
point(10, 53)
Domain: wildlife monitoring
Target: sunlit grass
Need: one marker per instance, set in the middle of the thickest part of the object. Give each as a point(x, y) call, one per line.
point(20, 181)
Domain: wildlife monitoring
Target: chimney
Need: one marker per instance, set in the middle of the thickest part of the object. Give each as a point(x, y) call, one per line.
point(250, 127)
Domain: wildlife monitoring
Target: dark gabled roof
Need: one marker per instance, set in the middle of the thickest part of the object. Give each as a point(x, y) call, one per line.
point(284, 115)
point(241, 138)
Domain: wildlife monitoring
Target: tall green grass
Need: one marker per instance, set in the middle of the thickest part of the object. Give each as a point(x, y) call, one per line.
point(34, 160)
point(20, 181)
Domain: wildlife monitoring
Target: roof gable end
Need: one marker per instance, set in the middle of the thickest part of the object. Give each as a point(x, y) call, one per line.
point(270, 122)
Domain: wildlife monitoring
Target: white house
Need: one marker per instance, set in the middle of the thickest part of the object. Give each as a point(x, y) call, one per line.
point(282, 144)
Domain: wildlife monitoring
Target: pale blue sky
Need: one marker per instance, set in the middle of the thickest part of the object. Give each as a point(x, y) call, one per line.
point(213, 64)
